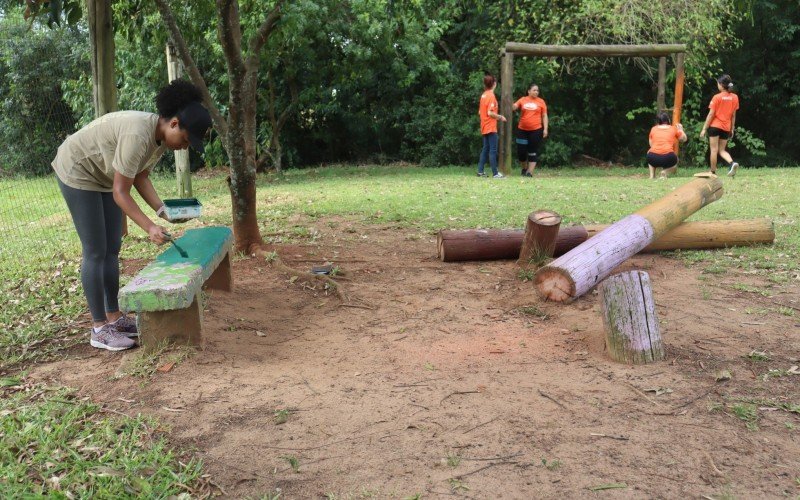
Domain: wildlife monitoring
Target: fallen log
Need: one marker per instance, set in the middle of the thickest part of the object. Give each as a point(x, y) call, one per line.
point(629, 317)
point(577, 271)
point(499, 244)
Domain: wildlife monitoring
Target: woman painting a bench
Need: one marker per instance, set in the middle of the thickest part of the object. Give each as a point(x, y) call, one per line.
point(96, 168)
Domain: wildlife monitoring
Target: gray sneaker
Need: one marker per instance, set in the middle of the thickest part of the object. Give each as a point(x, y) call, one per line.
point(734, 168)
point(127, 326)
point(109, 338)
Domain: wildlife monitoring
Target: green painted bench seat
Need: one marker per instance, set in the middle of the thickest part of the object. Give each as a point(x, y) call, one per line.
point(165, 294)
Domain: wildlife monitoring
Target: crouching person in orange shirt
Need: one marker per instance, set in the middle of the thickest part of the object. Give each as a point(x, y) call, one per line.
point(662, 146)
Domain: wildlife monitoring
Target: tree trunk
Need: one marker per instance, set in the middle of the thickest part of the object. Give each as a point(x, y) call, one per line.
point(541, 233)
point(629, 318)
point(276, 152)
point(576, 272)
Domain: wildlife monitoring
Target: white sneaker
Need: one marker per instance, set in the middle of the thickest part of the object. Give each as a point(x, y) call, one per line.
point(734, 168)
point(498, 175)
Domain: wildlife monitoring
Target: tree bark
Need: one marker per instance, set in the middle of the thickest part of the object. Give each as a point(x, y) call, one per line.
point(539, 242)
point(576, 272)
point(630, 320)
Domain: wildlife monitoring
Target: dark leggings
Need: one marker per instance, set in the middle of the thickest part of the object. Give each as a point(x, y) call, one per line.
point(528, 142)
point(98, 220)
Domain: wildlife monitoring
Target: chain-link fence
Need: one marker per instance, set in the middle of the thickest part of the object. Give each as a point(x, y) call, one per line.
point(44, 73)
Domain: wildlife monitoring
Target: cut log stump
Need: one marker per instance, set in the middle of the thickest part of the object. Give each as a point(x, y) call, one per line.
point(629, 318)
point(539, 242)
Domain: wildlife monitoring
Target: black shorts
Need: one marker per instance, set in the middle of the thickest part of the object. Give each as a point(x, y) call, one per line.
point(718, 132)
point(666, 160)
point(528, 142)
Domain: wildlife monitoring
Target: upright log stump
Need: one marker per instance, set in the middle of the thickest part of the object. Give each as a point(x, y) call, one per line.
point(541, 234)
point(577, 271)
point(629, 318)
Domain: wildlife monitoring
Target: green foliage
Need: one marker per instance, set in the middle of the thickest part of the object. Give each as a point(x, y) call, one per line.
point(387, 81)
point(765, 69)
point(34, 114)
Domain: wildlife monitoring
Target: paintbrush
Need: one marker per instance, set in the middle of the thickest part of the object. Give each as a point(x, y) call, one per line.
point(180, 250)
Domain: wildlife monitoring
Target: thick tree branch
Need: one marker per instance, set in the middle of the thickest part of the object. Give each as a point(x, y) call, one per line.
point(194, 74)
point(264, 31)
point(230, 36)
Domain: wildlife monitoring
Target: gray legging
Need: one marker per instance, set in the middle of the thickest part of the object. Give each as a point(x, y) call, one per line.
point(98, 220)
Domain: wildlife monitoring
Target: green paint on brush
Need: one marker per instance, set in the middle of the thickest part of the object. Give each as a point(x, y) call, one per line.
point(172, 281)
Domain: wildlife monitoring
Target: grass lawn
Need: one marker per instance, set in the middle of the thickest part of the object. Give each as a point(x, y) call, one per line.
point(54, 441)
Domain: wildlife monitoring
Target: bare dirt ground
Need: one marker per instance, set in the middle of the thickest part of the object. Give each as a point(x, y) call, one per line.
point(442, 385)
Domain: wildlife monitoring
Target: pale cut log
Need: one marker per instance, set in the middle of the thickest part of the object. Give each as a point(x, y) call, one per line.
point(539, 242)
point(630, 320)
point(576, 272)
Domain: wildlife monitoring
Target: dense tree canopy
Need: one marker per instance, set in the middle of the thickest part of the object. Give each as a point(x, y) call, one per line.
point(368, 80)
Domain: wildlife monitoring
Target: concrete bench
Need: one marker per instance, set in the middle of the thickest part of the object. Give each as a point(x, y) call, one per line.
point(166, 294)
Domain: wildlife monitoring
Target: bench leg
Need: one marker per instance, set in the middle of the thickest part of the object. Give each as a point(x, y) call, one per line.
point(221, 278)
point(181, 326)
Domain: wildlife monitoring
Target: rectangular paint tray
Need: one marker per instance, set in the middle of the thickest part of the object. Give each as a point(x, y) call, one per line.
point(183, 208)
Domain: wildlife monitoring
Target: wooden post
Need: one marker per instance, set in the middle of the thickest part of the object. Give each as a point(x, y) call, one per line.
point(104, 83)
point(678, 103)
point(629, 317)
point(101, 35)
point(506, 101)
point(661, 99)
point(541, 233)
point(576, 272)
point(183, 174)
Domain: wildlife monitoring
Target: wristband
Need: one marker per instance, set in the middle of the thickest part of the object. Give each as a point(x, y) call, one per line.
point(161, 211)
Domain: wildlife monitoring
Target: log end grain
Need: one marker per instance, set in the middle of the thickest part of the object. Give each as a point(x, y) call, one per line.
point(555, 284)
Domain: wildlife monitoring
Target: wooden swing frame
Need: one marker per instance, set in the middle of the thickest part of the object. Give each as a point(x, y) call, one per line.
point(526, 49)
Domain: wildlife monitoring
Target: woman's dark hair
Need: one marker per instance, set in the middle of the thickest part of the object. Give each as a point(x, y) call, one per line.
point(488, 81)
point(662, 118)
point(531, 86)
point(176, 96)
point(726, 82)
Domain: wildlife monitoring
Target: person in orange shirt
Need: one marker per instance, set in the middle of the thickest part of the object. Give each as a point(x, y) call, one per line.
point(487, 111)
point(720, 122)
point(531, 130)
point(662, 146)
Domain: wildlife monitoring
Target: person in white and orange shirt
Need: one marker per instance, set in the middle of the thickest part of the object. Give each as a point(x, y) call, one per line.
point(720, 122)
point(531, 130)
point(487, 111)
point(662, 146)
